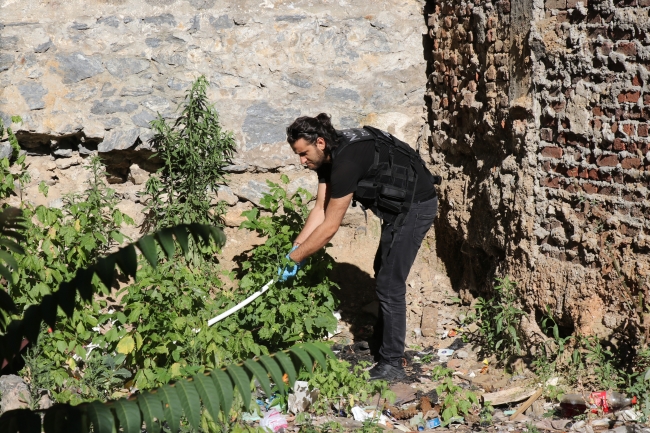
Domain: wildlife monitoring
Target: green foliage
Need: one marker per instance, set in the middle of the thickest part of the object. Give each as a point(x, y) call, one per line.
point(339, 383)
point(213, 391)
point(456, 401)
point(499, 320)
point(580, 360)
point(298, 309)
point(161, 344)
point(29, 326)
point(639, 383)
point(10, 175)
point(194, 150)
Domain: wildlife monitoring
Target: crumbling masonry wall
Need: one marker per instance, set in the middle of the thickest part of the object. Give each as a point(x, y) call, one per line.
point(539, 116)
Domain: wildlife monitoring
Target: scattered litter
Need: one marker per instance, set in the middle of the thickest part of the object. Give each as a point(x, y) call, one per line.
point(401, 428)
point(444, 354)
point(457, 420)
point(528, 403)
point(582, 427)
point(274, 420)
point(250, 417)
point(433, 423)
point(339, 328)
point(553, 381)
point(418, 332)
point(383, 419)
point(360, 414)
point(302, 398)
point(509, 412)
point(629, 415)
point(510, 395)
point(457, 344)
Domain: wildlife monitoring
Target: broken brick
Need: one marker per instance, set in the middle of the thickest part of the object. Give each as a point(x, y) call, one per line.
point(627, 48)
point(552, 152)
point(642, 130)
point(619, 144)
point(546, 134)
point(555, 4)
point(628, 163)
point(550, 182)
point(590, 188)
point(607, 161)
point(633, 96)
point(628, 129)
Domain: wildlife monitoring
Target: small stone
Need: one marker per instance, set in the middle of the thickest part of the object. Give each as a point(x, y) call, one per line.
point(225, 193)
point(137, 175)
point(6, 150)
point(112, 106)
point(461, 354)
point(6, 61)
point(159, 20)
point(253, 191)
point(143, 119)
point(122, 68)
point(136, 91)
point(119, 140)
point(77, 67)
point(56, 203)
point(63, 153)
point(14, 393)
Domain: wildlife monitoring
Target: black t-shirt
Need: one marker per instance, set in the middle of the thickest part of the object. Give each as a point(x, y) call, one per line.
point(349, 167)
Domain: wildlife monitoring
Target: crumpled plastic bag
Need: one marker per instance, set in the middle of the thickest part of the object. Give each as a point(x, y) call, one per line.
point(274, 420)
point(302, 398)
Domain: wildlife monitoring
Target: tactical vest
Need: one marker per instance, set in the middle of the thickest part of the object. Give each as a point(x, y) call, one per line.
point(388, 189)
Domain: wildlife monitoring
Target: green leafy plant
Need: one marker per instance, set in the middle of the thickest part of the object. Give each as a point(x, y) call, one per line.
point(10, 173)
point(298, 309)
point(194, 151)
point(213, 390)
point(456, 401)
point(499, 320)
point(341, 384)
point(104, 269)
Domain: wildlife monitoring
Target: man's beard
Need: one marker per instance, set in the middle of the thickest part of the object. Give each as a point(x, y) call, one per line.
point(321, 160)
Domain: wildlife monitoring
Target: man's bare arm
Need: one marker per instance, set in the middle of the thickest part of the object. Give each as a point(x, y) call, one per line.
point(316, 215)
point(323, 233)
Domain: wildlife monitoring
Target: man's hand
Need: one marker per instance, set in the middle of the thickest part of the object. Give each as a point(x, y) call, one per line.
point(290, 270)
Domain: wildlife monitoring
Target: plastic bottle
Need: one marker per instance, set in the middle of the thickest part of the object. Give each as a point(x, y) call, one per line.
point(611, 401)
point(572, 405)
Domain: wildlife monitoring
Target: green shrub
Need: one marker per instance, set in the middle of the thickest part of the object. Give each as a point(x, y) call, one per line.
point(194, 151)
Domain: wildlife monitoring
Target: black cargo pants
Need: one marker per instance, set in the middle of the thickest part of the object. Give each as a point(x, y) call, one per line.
point(393, 262)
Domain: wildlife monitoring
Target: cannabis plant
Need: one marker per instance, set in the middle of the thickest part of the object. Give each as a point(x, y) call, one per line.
point(194, 150)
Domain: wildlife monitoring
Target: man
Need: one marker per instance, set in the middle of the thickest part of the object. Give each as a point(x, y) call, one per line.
point(387, 176)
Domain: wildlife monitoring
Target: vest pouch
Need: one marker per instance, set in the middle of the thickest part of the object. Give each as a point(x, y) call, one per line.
point(366, 190)
point(391, 199)
point(393, 193)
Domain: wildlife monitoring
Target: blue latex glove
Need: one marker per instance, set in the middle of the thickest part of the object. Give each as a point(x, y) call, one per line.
point(290, 270)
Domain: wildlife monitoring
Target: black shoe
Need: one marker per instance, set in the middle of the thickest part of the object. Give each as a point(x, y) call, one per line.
point(384, 371)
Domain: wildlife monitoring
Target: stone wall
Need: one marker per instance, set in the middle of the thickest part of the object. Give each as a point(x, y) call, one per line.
point(539, 120)
point(89, 76)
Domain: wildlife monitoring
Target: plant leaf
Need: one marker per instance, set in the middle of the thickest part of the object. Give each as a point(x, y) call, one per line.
point(182, 237)
point(260, 373)
point(147, 246)
point(316, 353)
point(190, 401)
point(128, 260)
point(276, 374)
point(166, 241)
point(151, 408)
point(302, 357)
point(171, 406)
point(100, 416)
point(224, 388)
point(243, 383)
point(209, 395)
point(128, 414)
point(287, 366)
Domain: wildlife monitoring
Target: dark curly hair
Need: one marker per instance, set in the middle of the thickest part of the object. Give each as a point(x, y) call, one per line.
point(310, 128)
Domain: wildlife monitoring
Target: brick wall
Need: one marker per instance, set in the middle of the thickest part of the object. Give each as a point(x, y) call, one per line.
point(539, 115)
